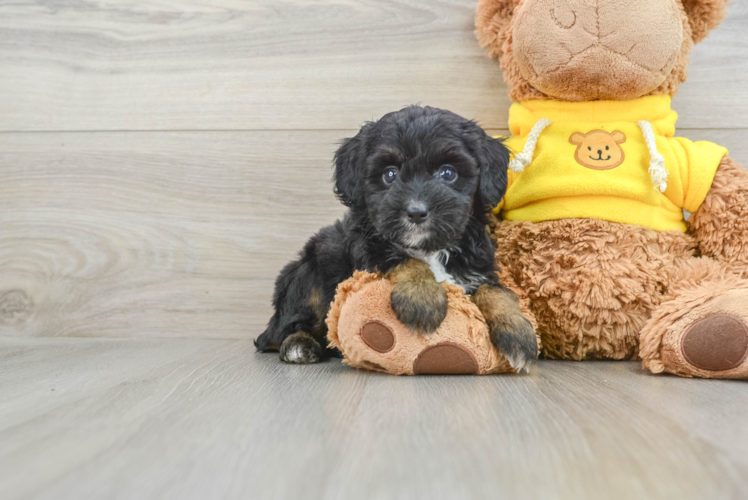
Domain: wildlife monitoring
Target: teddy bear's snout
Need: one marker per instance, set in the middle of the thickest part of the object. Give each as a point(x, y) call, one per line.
point(588, 52)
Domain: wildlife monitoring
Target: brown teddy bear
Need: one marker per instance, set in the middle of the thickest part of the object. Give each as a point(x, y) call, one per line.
point(592, 235)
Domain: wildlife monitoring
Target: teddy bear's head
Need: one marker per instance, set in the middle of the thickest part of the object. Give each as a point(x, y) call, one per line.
point(583, 50)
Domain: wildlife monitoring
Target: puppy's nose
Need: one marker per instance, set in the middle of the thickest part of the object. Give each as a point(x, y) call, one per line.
point(417, 212)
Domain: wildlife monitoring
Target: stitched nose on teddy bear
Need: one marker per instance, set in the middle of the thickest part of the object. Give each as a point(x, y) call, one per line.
point(595, 49)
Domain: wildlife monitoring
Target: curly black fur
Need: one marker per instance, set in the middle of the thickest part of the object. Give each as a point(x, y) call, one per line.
point(377, 234)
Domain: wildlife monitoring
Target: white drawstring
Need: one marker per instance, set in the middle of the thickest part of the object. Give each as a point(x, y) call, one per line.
point(523, 159)
point(657, 171)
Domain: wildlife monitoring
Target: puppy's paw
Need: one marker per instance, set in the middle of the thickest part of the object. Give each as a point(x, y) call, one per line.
point(511, 332)
point(515, 338)
point(419, 305)
point(300, 348)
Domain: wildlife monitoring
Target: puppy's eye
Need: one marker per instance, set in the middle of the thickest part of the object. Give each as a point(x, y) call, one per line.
point(447, 173)
point(390, 175)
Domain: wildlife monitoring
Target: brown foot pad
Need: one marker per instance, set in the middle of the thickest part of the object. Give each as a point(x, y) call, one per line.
point(716, 343)
point(446, 359)
point(378, 336)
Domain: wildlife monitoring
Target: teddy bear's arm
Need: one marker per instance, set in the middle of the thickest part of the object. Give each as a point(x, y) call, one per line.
point(720, 225)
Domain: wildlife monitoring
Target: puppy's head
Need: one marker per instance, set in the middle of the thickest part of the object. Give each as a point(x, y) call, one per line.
point(419, 174)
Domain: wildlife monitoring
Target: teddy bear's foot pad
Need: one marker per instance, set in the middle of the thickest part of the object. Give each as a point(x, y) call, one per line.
point(716, 343)
point(378, 336)
point(447, 359)
point(709, 340)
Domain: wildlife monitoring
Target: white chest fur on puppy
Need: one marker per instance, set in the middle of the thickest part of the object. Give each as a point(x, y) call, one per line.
point(437, 262)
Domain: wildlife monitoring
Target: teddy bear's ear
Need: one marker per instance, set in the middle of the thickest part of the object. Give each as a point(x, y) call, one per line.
point(493, 22)
point(704, 16)
point(619, 137)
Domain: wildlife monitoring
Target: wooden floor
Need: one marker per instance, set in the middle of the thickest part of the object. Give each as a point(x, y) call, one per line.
point(160, 161)
point(195, 418)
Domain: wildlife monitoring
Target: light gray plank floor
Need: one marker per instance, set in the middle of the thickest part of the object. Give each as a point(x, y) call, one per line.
point(199, 418)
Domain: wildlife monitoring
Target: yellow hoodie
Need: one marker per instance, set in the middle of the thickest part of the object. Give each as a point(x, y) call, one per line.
point(592, 160)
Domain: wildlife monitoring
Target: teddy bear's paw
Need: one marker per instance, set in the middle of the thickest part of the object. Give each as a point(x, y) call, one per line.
point(419, 305)
point(716, 343)
point(300, 348)
point(363, 325)
point(711, 341)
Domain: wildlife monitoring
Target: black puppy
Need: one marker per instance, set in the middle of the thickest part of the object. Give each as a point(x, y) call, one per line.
point(419, 184)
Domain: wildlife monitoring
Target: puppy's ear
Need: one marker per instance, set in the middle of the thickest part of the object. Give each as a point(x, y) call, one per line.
point(350, 168)
point(493, 159)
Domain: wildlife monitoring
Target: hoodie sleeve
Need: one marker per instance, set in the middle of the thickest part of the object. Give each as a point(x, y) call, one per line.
point(701, 160)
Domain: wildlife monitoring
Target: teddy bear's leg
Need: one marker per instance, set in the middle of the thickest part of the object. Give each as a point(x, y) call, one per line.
point(592, 283)
point(363, 326)
point(702, 330)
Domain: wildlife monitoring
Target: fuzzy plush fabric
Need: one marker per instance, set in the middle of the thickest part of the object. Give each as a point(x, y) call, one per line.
point(721, 224)
point(709, 287)
point(502, 24)
point(581, 38)
point(362, 325)
point(704, 16)
point(587, 300)
point(702, 289)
